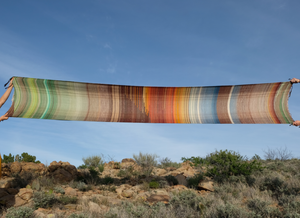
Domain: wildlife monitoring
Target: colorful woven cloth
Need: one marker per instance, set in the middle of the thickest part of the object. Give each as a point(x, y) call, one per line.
point(62, 100)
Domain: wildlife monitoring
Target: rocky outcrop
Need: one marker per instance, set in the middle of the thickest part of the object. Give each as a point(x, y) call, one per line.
point(62, 171)
point(21, 168)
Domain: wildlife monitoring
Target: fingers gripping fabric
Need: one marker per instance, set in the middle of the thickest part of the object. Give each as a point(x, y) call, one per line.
point(63, 100)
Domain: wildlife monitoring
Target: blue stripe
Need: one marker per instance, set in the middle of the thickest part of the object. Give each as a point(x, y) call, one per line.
point(208, 103)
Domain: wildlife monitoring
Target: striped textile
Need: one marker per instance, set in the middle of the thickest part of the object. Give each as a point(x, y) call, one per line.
point(63, 100)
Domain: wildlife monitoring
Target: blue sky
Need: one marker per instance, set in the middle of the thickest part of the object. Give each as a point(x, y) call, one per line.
point(151, 43)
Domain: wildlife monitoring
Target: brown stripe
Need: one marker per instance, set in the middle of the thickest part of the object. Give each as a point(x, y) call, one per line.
point(222, 102)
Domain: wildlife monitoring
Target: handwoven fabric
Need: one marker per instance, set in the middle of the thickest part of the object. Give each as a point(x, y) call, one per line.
point(63, 100)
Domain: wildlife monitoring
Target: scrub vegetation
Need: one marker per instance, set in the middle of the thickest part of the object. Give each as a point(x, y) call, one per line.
point(243, 187)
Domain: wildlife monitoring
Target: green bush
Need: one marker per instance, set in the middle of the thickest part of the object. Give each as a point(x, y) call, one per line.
point(67, 200)
point(186, 199)
point(262, 209)
point(59, 189)
point(107, 180)
point(20, 212)
point(44, 200)
point(91, 177)
point(8, 159)
point(195, 180)
point(166, 162)
point(74, 215)
point(278, 187)
point(195, 160)
point(224, 164)
point(153, 184)
point(171, 180)
point(25, 157)
point(232, 211)
point(146, 161)
point(94, 161)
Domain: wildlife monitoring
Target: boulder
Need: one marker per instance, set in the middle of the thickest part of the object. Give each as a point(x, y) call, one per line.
point(158, 171)
point(70, 191)
point(93, 207)
point(156, 198)
point(181, 180)
point(5, 170)
point(33, 168)
point(206, 185)
point(15, 167)
point(25, 194)
point(128, 193)
point(128, 160)
point(62, 171)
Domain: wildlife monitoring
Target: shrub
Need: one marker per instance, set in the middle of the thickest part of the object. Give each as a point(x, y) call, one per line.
point(229, 163)
point(146, 161)
point(91, 176)
point(261, 209)
point(107, 180)
point(278, 187)
point(153, 184)
point(93, 161)
point(281, 154)
point(8, 159)
point(186, 198)
point(163, 183)
point(67, 200)
point(171, 180)
point(166, 162)
point(19, 212)
point(59, 189)
point(22, 180)
point(44, 200)
point(25, 157)
point(74, 215)
point(232, 211)
point(128, 172)
point(195, 180)
point(195, 160)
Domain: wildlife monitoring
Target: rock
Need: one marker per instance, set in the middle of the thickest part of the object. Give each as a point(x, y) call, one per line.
point(181, 180)
point(70, 206)
point(15, 167)
point(120, 190)
point(39, 214)
point(159, 172)
point(93, 207)
point(128, 160)
point(70, 191)
point(3, 192)
point(33, 167)
point(156, 198)
point(62, 171)
point(179, 187)
point(8, 200)
point(5, 170)
point(170, 168)
point(206, 185)
point(25, 194)
point(128, 193)
point(12, 191)
point(7, 183)
point(19, 201)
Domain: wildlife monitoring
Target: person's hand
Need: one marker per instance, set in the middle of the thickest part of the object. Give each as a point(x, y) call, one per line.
point(11, 82)
point(4, 117)
point(294, 80)
point(296, 123)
